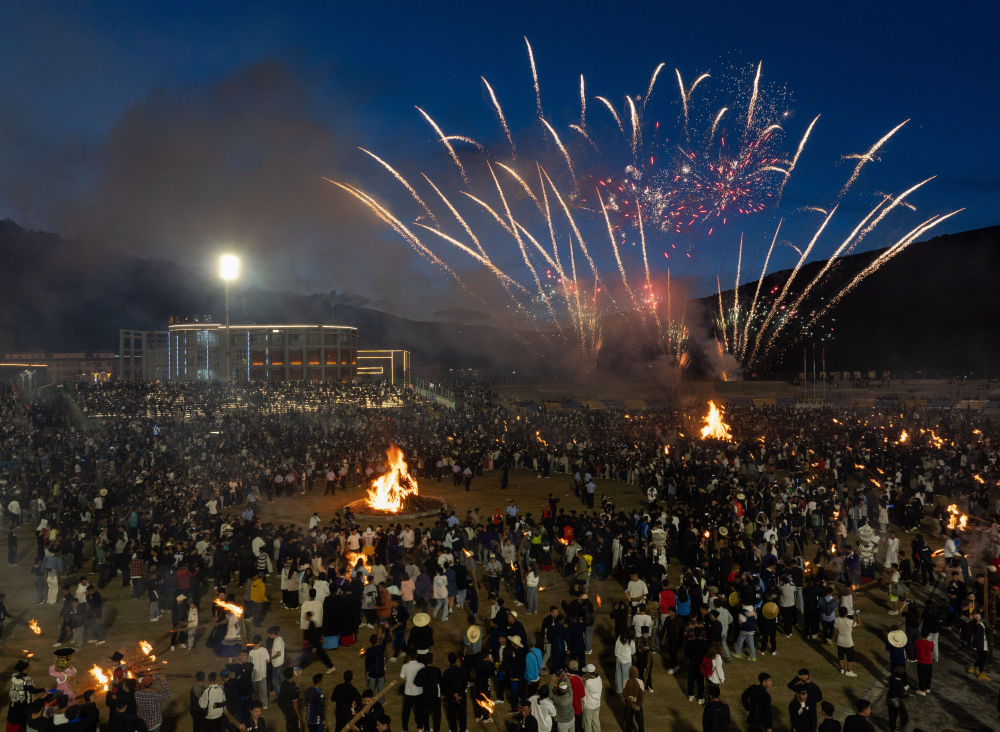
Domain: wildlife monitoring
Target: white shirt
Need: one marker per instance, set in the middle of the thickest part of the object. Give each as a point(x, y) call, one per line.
point(278, 652)
point(624, 651)
point(408, 672)
point(258, 657)
point(592, 688)
point(316, 608)
point(636, 589)
point(212, 696)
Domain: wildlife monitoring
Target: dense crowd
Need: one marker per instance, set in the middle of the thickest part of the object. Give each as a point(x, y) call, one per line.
point(720, 548)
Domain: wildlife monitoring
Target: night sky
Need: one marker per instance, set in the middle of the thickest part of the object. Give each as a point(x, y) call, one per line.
point(176, 132)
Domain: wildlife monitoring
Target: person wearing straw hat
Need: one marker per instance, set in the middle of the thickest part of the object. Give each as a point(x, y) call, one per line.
point(422, 635)
point(768, 628)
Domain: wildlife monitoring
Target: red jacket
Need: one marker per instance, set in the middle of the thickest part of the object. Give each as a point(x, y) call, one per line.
point(924, 649)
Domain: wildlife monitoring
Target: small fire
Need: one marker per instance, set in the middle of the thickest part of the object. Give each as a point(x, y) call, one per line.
point(714, 427)
point(957, 519)
point(599, 603)
point(352, 561)
point(27, 653)
point(146, 647)
point(541, 589)
point(389, 490)
point(707, 534)
point(562, 541)
point(833, 548)
point(467, 553)
point(979, 479)
point(903, 438)
point(234, 609)
point(33, 624)
point(486, 703)
point(103, 679)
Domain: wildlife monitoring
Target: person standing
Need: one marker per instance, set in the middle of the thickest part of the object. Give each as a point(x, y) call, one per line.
point(632, 697)
point(411, 690)
point(95, 612)
point(843, 636)
point(859, 721)
point(288, 699)
point(624, 651)
point(829, 724)
point(756, 700)
point(716, 716)
point(801, 714)
point(149, 704)
point(898, 716)
point(592, 689)
point(923, 648)
point(453, 687)
point(747, 621)
point(315, 705)
point(981, 647)
point(258, 675)
point(346, 700)
point(213, 701)
point(429, 679)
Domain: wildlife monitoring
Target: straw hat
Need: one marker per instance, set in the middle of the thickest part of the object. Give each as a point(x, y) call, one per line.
point(516, 640)
point(103, 491)
point(474, 633)
point(741, 497)
point(723, 531)
point(734, 598)
point(897, 638)
point(421, 619)
point(770, 610)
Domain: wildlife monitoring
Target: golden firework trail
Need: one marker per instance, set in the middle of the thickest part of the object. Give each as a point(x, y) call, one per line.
point(457, 215)
point(466, 140)
point(534, 76)
point(500, 116)
point(868, 156)
point(897, 248)
point(583, 133)
point(798, 152)
point(753, 96)
point(756, 294)
point(652, 83)
point(527, 189)
point(562, 148)
point(634, 115)
point(722, 315)
point(583, 104)
point(715, 123)
point(617, 253)
point(788, 283)
point(614, 113)
point(395, 174)
point(444, 141)
point(736, 297)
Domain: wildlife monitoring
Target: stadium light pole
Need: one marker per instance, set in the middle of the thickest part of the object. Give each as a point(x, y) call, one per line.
point(229, 270)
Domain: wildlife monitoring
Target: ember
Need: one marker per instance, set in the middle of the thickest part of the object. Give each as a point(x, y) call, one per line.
point(33, 624)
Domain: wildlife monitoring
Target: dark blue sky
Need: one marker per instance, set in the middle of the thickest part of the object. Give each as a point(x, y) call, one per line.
point(111, 109)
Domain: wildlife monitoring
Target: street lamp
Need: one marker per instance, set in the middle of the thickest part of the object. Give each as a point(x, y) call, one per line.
point(229, 270)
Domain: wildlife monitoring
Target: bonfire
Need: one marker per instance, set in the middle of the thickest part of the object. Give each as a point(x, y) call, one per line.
point(715, 428)
point(391, 489)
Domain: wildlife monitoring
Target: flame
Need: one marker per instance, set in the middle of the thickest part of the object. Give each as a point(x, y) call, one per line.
point(33, 624)
point(467, 553)
point(562, 541)
point(146, 647)
point(903, 438)
point(541, 589)
point(538, 436)
point(707, 534)
point(234, 609)
point(833, 548)
point(389, 490)
point(352, 561)
point(599, 603)
point(103, 679)
point(957, 520)
point(979, 479)
point(714, 427)
point(937, 553)
point(486, 703)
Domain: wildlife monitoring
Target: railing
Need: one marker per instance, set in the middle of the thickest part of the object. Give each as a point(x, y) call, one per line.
point(434, 391)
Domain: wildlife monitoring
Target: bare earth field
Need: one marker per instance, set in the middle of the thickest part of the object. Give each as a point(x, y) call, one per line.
point(958, 699)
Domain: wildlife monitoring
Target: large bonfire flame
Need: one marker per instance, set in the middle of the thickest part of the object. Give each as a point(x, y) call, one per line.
point(715, 428)
point(389, 490)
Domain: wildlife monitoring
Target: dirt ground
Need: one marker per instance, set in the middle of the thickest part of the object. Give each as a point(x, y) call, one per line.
point(127, 623)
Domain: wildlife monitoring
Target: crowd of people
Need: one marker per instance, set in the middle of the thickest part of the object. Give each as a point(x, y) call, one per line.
point(720, 547)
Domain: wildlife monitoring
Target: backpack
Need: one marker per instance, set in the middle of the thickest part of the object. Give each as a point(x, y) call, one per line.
point(705, 666)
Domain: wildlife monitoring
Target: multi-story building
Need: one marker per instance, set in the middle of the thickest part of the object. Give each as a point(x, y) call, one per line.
point(271, 352)
point(142, 355)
